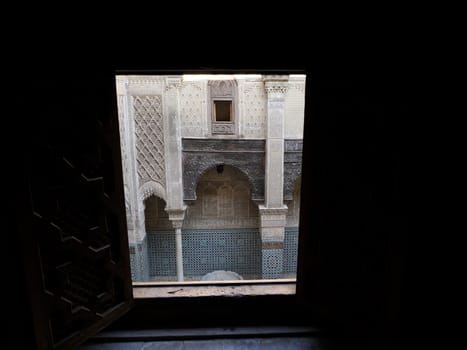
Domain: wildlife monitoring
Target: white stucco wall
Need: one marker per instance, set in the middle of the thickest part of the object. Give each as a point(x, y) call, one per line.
point(295, 108)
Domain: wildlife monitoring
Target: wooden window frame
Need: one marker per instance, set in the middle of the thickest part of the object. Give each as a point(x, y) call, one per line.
point(231, 113)
point(224, 308)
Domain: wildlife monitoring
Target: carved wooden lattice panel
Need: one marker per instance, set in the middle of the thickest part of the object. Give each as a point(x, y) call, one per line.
point(149, 138)
point(72, 222)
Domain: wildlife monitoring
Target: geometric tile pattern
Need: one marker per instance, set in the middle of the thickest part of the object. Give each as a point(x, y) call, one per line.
point(272, 263)
point(204, 251)
point(290, 250)
point(237, 250)
point(161, 254)
point(139, 261)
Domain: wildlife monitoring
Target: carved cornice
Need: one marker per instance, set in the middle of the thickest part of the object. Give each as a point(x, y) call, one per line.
point(173, 83)
point(139, 81)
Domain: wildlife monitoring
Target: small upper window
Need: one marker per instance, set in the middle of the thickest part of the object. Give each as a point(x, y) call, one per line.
point(223, 97)
point(223, 111)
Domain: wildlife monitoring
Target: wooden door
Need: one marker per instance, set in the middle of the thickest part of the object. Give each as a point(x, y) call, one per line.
point(70, 211)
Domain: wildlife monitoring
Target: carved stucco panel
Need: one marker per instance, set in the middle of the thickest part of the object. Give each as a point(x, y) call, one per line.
point(193, 109)
point(149, 138)
point(201, 155)
point(292, 166)
point(254, 109)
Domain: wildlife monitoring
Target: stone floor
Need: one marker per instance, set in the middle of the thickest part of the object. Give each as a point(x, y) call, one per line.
point(233, 339)
point(282, 343)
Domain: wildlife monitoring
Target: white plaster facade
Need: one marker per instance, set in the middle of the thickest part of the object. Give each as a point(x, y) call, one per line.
point(157, 112)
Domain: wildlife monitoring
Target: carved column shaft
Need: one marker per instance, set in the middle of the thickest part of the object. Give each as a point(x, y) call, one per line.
point(173, 161)
point(274, 172)
point(273, 213)
point(173, 144)
point(176, 217)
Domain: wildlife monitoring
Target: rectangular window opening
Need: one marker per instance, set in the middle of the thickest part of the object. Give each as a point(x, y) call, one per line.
point(223, 111)
point(212, 180)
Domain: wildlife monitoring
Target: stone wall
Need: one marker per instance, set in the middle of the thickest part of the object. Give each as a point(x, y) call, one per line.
point(223, 201)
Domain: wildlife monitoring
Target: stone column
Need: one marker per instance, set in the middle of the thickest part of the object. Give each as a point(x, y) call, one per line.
point(173, 144)
point(273, 212)
point(173, 165)
point(272, 221)
point(176, 217)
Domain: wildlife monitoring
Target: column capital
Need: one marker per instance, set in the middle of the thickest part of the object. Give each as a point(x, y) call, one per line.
point(276, 85)
point(177, 224)
point(176, 216)
point(276, 89)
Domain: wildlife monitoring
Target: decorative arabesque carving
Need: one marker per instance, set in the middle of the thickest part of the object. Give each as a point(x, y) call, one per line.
point(200, 155)
point(192, 98)
point(222, 88)
point(276, 89)
point(254, 109)
point(149, 138)
point(292, 166)
point(151, 188)
point(226, 128)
